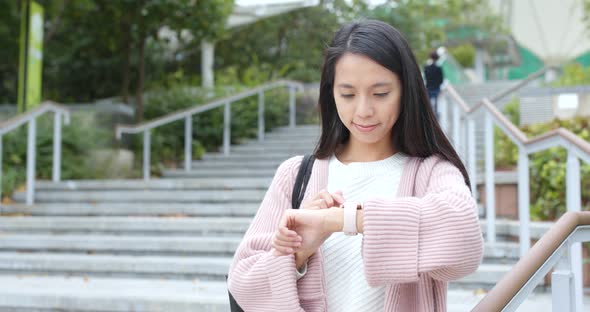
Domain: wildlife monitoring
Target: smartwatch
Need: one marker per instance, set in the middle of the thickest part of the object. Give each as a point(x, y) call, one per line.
point(349, 224)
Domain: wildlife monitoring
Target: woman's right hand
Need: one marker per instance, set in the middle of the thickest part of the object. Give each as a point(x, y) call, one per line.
point(287, 241)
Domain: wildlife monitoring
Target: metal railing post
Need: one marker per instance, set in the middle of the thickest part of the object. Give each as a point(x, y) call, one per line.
point(31, 146)
point(261, 116)
point(226, 128)
point(489, 180)
point(443, 108)
point(471, 159)
point(463, 139)
point(524, 200)
point(56, 147)
point(574, 203)
point(0, 170)
point(146, 154)
point(291, 106)
point(456, 126)
point(188, 141)
point(562, 284)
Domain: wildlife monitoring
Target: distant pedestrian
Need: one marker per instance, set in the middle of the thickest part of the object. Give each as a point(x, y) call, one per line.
point(434, 78)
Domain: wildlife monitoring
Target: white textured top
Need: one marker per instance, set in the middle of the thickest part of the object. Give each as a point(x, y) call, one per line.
point(347, 287)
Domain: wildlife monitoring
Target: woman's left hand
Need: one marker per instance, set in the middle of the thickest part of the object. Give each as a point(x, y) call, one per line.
point(311, 225)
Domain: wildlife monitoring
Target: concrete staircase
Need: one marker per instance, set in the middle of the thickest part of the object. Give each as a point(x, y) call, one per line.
point(160, 245)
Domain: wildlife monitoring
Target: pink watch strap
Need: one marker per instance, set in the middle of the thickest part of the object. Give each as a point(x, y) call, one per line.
point(349, 226)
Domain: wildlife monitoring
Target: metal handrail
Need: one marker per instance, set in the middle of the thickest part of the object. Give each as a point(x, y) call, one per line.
point(30, 117)
point(187, 114)
point(577, 149)
point(552, 250)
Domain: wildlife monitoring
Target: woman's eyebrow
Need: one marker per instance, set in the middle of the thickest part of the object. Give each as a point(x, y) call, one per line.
point(378, 84)
point(381, 84)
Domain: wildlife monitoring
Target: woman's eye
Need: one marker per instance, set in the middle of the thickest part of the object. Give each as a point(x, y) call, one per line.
point(382, 94)
point(346, 95)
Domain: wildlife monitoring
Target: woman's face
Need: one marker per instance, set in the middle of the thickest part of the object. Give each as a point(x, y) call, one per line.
point(367, 97)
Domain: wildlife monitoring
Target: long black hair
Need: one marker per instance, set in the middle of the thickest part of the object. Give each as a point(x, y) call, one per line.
point(416, 132)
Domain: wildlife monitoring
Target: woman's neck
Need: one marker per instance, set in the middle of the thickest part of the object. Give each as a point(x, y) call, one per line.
point(354, 151)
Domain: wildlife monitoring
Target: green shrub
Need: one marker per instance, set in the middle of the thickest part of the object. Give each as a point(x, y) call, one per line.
point(464, 54)
point(574, 74)
point(547, 168)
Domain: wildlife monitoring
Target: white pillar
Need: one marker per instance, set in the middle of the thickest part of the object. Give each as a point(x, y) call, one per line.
point(480, 65)
point(550, 75)
point(207, 58)
point(573, 202)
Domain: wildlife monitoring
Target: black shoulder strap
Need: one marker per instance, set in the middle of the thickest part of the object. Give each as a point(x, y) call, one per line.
point(301, 181)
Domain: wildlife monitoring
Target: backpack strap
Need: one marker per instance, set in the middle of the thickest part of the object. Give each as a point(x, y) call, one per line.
point(301, 181)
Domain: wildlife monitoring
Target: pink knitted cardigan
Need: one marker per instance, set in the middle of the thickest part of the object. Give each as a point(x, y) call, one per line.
point(414, 244)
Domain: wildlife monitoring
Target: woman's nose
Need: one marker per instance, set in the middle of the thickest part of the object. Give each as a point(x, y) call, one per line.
point(364, 107)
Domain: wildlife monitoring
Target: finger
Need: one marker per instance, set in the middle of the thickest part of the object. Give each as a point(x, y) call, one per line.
point(278, 253)
point(329, 201)
point(284, 250)
point(287, 244)
point(287, 236)
point(315, 204)
point(321, 204)
point(338, 197)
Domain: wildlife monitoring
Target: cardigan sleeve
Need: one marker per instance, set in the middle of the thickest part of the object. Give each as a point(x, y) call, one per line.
point(258, 280)
point(437, 234)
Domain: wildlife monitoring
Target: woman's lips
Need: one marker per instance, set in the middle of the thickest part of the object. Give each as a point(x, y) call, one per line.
point(365, 128)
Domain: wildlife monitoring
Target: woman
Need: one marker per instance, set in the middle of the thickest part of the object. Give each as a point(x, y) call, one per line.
point(385, 169)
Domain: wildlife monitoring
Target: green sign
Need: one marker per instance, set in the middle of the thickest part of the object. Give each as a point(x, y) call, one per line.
point(31, 56)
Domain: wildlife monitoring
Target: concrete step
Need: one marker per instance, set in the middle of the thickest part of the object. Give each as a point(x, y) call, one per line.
point(47, 293)
point(155, 184)
point(486, 276)
point(207, 226)
point(143, 244)
point(242, 172)
point(506, 227)
point(202, 268)
point(286, 147)
point(293, 136)
point(79, 293)
point(246, 209)
point(461, 300)
point(298, 131)
point(235, 164)
point(248, 157)
point(151, 196)
point(269, 141)
point(308, 127)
